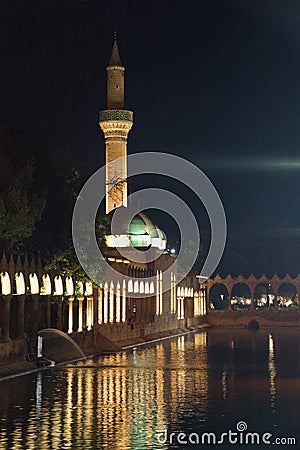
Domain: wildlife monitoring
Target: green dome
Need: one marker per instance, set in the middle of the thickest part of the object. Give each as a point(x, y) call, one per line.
point(137, 225)
point(142, 232)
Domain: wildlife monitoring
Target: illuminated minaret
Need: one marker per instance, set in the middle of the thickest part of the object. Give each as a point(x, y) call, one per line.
point(115, 122)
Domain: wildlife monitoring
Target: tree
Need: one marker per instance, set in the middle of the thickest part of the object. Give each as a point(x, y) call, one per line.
point(21, 205)
point(65, 259)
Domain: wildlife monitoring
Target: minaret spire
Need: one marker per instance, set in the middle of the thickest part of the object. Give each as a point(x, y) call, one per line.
point(115, 60)
point(115, 122)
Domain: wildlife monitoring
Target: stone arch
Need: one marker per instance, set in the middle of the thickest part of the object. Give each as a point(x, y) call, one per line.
point(20, 283)
point(79, 288)
point(88, 289)
point(46, 287)
point(130, 286)
point(218, 297)
point(5, 283)
point(58, 285)
point(69, 286)
point(147, 288)
point(264, 297)
point(240, 297)
point(152, 290)
point(34, 284)
point(136, 287)
point(287, 297)
point(142, 288)
point(252, 325)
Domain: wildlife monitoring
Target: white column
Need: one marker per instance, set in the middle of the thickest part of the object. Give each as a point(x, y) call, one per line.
point(174, 294)
point(124, 302)
point(157, 293)
point(178, 302)
point(105, 303)
point(118, 303)
point(160, 294)
point(80, 314)
point(171, 292)
point(70, 302)
point(100, 300)
point(89, 312)
point(196, 304)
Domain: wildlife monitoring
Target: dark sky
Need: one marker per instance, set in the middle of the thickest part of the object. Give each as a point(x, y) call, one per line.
point(216, 82)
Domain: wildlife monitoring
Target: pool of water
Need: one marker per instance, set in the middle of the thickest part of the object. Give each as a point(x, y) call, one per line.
point(208, 382)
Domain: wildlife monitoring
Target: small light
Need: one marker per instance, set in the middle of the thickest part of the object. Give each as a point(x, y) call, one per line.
point(173, 251)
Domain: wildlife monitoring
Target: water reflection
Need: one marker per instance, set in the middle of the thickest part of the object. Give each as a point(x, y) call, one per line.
point(195, 383)
point(272, 373)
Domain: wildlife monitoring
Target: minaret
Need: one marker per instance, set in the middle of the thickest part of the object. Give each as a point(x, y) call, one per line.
point(115, 122)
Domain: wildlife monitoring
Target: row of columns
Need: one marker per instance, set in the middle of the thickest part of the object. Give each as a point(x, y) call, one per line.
point(200, 306)
point(109, 305)
point(6, 302)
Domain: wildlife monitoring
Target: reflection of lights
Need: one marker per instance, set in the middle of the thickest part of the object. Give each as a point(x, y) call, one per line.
point(38, 394)
point(117, 405)
point(224, 384)
point(200, 339)
point(272, 372)
point(181, 343)
point(69, 406)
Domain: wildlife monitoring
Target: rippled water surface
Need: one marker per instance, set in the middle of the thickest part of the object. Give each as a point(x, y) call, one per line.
point(203, 382)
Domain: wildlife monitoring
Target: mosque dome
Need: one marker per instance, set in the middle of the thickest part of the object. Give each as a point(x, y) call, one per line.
point(142, 232)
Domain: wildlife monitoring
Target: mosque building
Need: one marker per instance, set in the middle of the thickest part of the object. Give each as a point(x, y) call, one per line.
point(116, 122)
point(134, 306)
point(142, 233)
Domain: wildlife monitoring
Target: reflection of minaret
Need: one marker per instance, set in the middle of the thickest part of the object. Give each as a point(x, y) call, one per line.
point(115, 122)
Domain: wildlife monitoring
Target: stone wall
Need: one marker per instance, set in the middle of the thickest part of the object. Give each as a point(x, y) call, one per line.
point(12, 351)
point(263, 318)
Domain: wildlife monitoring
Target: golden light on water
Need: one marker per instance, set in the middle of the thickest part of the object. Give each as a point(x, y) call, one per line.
point(123, 401)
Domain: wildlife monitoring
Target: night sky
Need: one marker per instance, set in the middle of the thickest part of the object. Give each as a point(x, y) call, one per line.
point(216, 82)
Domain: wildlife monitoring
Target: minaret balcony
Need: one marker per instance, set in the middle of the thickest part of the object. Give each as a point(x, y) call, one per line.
point(122, 115)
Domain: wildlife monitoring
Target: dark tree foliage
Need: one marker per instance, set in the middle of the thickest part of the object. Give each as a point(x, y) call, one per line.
point(61, 180)
point(65, 259)
point(22, 203)
point(38, 188)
